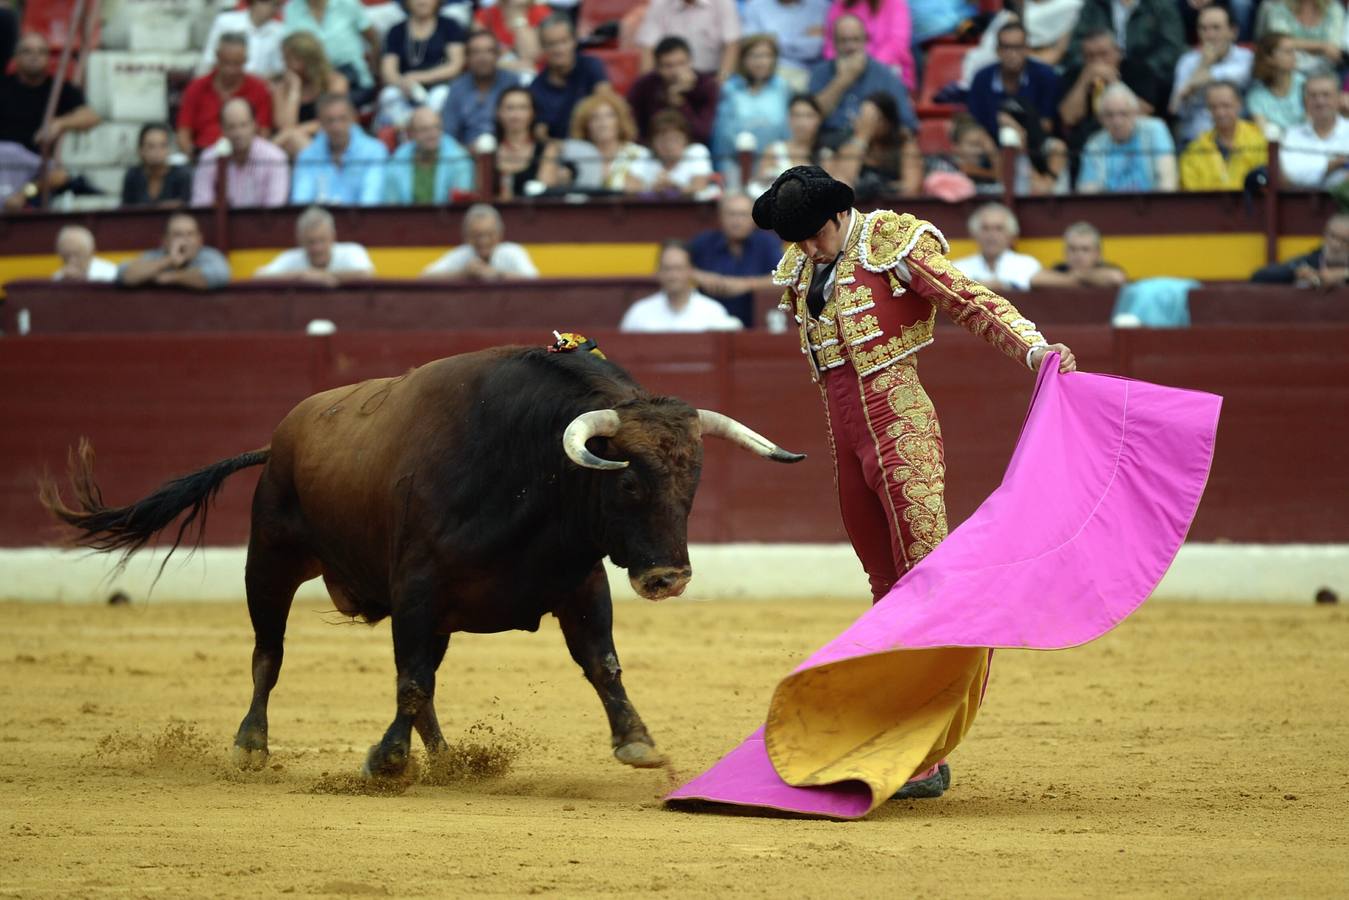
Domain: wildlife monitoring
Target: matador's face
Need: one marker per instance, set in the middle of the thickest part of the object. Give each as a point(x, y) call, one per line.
point(826, 244)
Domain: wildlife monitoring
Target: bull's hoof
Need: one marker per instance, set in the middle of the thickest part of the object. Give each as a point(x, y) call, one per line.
point(249, 758)
point(640, 755)
point(382, 762)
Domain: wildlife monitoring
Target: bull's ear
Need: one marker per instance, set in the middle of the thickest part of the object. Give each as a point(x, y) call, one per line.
point(596, 423)
point(714, 424)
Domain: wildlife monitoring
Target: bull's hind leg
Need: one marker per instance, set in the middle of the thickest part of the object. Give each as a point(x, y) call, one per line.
point(417, 651)
point(587, 621)
point(272, 575)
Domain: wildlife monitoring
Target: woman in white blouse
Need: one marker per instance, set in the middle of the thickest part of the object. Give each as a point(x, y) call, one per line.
point(602, 153)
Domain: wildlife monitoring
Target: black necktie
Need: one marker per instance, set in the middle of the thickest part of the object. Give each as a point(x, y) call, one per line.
point(815, 296)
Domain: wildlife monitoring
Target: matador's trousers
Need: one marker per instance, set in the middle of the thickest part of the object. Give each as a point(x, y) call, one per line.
point(889, 467)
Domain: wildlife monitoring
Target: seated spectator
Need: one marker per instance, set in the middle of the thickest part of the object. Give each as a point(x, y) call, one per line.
point(842, 83)
point(1315, 154)
point(1150, 36)
point(1275, 96)
point(803, 146)
point(880, 158)
point(1316, 28)
point(344, 30)
point(709, 30)
point(22, 177)
point(521, 158)
point(154, 182)
point(515, 25)
point(997, 265)
point(199, 116)
point(1041, 163)
point(677, 167)
point(602, 154)
point(23, 100)
point(258, 23)
point(1049, 31)
point(1100, 68)
point(1222, 157)
point(1131, 153)
point(295, 96)
point(888, 29)
point(344, 166)
point(1325, 267)
point(470, 108)
point(483, 256)
point(732, 261)
point(429, 167)
point(974, 154)
point(1082, 264)
point(567, 78)
point(678, 306)
point(421, 55)
point(753, 101)
point(1216, 59)
point(257, 171)
point(797, 27)
point(181, 261)
point(75, 246)
point(1029, 81)
point(320, 258)
point(675, 85)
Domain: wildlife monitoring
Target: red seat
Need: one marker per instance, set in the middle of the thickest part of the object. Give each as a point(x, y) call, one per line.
point(622, 65)
point(51, 19)
point(942, 68)
point(934, 136)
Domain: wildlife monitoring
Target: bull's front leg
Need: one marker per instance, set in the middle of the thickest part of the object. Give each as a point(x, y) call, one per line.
point(587, 624)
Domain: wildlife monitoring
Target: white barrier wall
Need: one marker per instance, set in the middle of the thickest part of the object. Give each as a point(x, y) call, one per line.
point(1286, 573)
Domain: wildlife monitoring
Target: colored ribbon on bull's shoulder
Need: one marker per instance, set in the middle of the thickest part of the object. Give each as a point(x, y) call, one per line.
point(1102, 463)
point(571, 342)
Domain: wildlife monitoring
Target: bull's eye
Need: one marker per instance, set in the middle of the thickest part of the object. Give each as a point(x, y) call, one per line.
point(630, 485)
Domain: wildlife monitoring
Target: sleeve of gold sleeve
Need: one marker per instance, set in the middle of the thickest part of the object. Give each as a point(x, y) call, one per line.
point(970, 304)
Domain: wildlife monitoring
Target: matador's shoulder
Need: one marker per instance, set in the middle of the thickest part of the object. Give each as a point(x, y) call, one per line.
point(788, 271)
point(888, 237)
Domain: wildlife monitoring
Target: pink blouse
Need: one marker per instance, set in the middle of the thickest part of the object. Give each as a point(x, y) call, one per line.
point(888, 33)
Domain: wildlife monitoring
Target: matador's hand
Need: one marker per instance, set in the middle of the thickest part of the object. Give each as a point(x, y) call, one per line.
point(1067, 362)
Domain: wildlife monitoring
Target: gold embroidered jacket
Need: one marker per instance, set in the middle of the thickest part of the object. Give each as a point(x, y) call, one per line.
point(892, 277)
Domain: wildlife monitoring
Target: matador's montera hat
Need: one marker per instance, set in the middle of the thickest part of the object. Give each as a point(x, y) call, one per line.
point(799, 203)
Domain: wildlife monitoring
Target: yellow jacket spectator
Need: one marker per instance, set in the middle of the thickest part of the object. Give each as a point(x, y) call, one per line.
point(1222, 157)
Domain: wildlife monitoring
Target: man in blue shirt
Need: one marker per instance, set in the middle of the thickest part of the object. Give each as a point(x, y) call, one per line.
point(470, 109)
point(733, 261)
point(1014, 75)
point(567, 77)
point(842, 83)
point(797, 25)
point(343, 166)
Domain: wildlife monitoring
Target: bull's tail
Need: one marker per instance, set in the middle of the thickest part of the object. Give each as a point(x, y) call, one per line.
point(129, 528)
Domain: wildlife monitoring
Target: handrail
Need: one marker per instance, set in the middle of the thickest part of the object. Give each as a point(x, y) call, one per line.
point(58, 81)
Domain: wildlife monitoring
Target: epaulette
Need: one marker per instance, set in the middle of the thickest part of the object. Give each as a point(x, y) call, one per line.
point(887, 237)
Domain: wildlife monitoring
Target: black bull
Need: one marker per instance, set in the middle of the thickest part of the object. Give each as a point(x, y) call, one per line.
point(461, 496)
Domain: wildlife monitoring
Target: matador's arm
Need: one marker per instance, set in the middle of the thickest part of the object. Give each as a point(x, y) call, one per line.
point(970, 304)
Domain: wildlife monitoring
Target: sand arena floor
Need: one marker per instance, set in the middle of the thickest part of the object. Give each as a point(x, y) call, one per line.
point(1198, 750)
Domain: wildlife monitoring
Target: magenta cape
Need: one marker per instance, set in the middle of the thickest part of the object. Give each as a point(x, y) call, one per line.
point(1100, 491)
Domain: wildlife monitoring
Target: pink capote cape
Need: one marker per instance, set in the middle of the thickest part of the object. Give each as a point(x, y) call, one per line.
point(1100, 491)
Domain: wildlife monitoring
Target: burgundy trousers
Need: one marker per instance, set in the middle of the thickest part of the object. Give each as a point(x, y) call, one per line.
point(889, 467)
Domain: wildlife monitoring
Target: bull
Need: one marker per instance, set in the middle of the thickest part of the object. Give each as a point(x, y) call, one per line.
point(476, 493)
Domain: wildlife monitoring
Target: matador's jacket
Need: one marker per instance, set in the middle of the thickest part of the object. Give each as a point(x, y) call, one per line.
point(862, 342)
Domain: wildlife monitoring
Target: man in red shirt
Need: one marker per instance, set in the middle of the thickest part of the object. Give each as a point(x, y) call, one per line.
point(199, 116)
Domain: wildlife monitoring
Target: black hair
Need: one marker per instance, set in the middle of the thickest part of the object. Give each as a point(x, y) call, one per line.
point(668, 45)
point(153, 126)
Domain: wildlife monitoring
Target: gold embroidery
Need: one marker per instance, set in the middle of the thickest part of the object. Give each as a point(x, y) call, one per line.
point(920, 473)
point(972, 305)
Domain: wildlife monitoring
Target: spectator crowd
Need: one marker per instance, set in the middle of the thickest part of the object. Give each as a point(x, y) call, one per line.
point(327, 101)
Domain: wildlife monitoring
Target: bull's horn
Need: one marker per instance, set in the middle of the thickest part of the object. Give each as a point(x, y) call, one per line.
point(716, 425)
point(596, 423)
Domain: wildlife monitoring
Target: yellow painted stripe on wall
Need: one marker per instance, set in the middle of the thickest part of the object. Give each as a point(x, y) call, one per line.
point(1219, 257)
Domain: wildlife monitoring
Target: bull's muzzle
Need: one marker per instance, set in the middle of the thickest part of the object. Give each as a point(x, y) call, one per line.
point(657, 584)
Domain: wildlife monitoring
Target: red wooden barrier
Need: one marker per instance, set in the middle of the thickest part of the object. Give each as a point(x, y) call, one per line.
point(160, 405)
